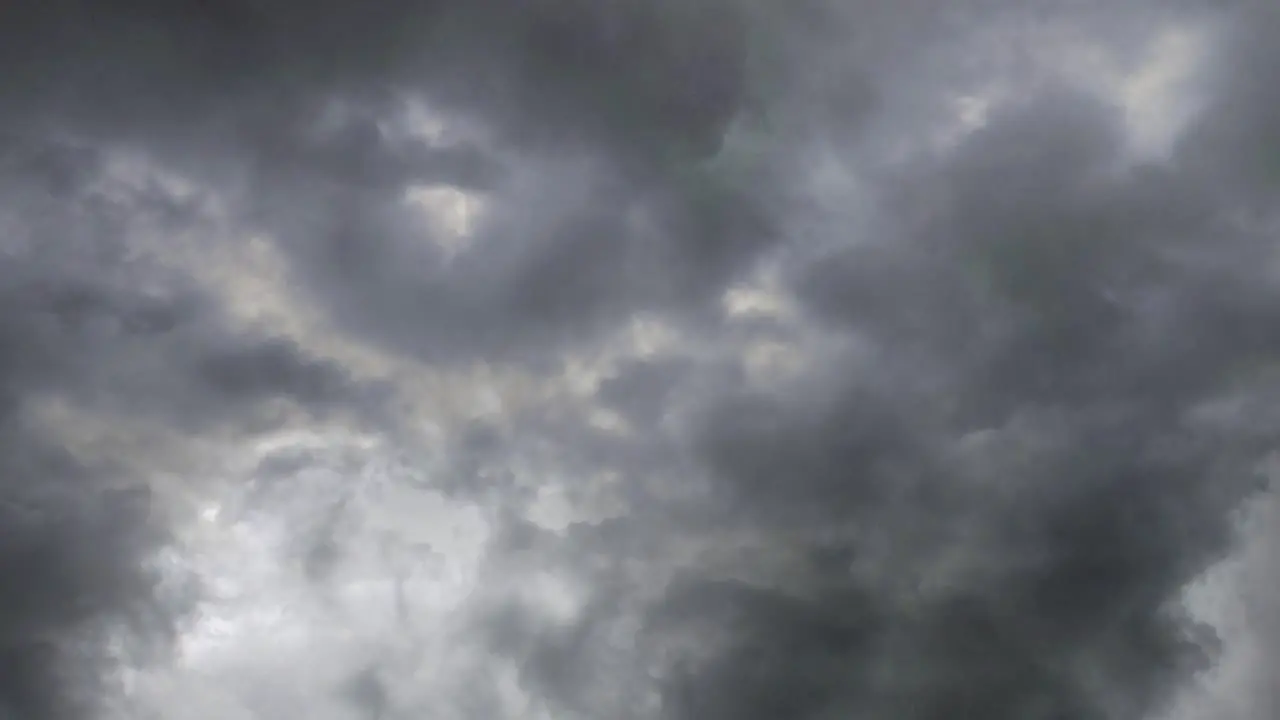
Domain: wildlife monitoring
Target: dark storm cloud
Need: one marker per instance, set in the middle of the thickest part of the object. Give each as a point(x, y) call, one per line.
point(614, 112)
point(993, 519)
point(558, 257)
point(1234, 143)
point(71, 562)
point(642, 390)
point(1261, 587)
point(85, 300)
point(1062, 318)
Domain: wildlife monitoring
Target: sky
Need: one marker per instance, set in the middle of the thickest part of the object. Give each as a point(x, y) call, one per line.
point(639, 360)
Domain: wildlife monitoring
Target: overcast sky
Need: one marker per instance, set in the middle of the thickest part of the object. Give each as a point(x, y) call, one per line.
point(639, 360)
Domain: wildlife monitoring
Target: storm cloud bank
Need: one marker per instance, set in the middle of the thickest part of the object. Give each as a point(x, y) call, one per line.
point(620, 359)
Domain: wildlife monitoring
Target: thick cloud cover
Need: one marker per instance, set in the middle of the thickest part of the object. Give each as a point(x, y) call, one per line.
point(654, 359)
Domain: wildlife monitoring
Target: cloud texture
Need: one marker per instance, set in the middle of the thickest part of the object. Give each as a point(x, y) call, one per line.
point(711, 359)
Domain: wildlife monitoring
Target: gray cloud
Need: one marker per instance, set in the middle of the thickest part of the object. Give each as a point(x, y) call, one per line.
point(1026, 430)
point(1064, 309)
point(623, 107)
point(83, 322)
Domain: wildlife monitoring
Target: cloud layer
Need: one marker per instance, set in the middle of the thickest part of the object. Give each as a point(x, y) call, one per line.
point(669, 360)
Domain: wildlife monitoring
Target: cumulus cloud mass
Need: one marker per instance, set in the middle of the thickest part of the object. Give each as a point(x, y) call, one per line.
point(639, 359)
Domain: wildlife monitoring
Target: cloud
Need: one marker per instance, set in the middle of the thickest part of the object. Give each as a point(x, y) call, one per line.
point(625, 108)
point(626, 359)
point(1052, 315)
point(83, 322)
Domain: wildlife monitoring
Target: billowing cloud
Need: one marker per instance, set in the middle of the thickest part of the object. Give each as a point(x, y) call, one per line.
point(85, 324)
point(714, 359)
